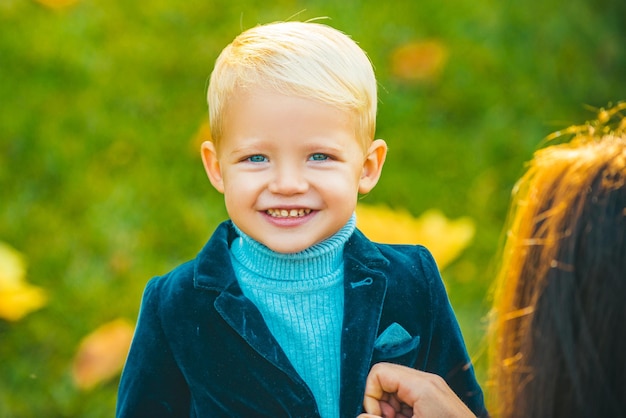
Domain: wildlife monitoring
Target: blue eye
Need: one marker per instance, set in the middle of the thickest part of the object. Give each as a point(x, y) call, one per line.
point(257, 159)
point(318, 157)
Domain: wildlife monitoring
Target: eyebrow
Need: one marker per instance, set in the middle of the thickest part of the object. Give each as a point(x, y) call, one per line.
point(251, 145)
point(314, 145)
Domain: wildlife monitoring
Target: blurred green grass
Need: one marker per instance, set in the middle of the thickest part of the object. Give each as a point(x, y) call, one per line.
point(101, 185)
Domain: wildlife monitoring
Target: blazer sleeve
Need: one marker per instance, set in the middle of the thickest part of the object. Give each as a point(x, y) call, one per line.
point(151, 384)
point(448, 353)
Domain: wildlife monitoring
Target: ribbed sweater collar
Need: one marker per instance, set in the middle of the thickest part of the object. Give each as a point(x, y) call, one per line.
point(311, 267)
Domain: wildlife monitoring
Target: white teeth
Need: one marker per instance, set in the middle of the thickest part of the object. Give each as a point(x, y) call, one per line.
point(284, 213)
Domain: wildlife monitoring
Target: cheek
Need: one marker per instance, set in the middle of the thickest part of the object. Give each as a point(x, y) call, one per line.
point(235, 182)
point(237, 191)
point(241, 190)
point(344, 190)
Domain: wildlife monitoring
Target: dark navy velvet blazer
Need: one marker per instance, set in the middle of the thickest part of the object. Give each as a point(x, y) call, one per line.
point(202, 349)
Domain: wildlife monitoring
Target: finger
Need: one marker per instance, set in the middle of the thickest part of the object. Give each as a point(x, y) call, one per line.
point(394, 402)
point(371, 404)
point(387, 411)
point(381, 385)
point(375, 391)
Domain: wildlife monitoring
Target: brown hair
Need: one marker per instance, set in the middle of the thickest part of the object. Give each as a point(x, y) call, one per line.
point(557, 345)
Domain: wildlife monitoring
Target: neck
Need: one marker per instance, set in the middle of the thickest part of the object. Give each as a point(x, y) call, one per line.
point(312, 263)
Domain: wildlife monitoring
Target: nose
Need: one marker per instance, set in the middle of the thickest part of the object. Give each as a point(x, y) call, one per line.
point(288, 179)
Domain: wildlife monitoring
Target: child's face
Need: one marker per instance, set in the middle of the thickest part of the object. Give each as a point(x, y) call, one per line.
point(290, 168)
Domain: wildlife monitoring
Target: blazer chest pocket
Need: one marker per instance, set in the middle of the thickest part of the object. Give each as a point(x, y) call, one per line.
point(396, 345)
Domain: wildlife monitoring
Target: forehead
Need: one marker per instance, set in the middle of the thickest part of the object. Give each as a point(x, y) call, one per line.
point(265, 113)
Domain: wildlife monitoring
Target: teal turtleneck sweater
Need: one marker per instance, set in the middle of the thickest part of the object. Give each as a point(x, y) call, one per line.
point(300, 296)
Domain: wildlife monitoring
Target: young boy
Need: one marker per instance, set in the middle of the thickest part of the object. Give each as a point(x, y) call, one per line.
point(287, 307)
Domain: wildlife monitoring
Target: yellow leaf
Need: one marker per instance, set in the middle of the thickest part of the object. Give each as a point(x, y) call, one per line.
point(445, 238)
point(102, 353)
point(12, 266)
point(19, 300)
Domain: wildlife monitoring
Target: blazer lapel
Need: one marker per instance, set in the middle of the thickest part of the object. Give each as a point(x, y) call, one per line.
point(237, 310)
point(365, 288)
point(247, 321)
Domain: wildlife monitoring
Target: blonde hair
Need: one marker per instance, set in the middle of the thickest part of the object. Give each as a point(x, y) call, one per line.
point(555, 340)
point(303, 59)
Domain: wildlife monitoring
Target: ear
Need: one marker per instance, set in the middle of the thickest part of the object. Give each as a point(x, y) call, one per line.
point(212, 165)
point(373, 165)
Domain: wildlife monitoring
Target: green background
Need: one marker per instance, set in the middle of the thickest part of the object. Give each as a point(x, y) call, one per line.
point(102, 187)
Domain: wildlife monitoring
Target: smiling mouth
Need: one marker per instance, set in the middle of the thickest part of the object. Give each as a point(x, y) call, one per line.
point(287, 213)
